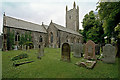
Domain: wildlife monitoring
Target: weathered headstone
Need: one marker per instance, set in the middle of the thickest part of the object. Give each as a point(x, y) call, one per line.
point(40, 51)
point(109, 53)
point(78, 49)
point(65, 55)
point(90, 50)
point(15, 48)
point(97, 49)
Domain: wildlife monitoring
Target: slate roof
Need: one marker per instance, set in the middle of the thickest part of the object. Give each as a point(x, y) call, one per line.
point(21, 24)
point(66, 29)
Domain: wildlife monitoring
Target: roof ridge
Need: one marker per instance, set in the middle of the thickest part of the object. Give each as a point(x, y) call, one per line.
point(19, 23)
point(23, 20)
point(65, 27)
point(74, 32)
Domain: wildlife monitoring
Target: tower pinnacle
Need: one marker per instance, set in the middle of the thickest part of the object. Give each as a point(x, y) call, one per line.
point(66, 8)
point(74, 5)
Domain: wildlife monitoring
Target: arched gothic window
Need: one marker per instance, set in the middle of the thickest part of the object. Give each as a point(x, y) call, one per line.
point(40, 39)
point(51, 38)
point(17, 37)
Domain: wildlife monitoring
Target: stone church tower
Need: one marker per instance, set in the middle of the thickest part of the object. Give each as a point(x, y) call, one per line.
point(72, 18)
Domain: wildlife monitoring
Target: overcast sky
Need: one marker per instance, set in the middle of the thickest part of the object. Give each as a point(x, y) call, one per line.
point(38, 11)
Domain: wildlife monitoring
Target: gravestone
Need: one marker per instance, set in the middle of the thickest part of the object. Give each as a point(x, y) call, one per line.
point(40, 51)
point(90, 50)
point(65, 55)
point(109, 53)
point(15, 48)
point(78, 49)
point(97, 49)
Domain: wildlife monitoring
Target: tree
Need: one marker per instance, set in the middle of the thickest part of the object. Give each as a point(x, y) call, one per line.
point(22, 40)
point(92, 28)
point(117, 29)
point(110, 14)
point(10, 40)
point(81, 31)
point(25, 38)
point(87, 23)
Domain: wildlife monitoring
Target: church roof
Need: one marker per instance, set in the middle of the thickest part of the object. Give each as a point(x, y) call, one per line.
point(21, 24)
point(66, 29)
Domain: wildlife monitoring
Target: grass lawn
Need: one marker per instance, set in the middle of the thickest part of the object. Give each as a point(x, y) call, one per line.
point(50, 66)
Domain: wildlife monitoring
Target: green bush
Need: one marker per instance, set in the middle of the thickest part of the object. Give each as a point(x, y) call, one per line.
point(21, 56)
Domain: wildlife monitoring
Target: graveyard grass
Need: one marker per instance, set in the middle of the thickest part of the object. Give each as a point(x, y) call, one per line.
point(50, 66)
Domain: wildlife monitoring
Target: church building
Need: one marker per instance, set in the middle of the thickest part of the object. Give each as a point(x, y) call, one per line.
point(52, 35)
